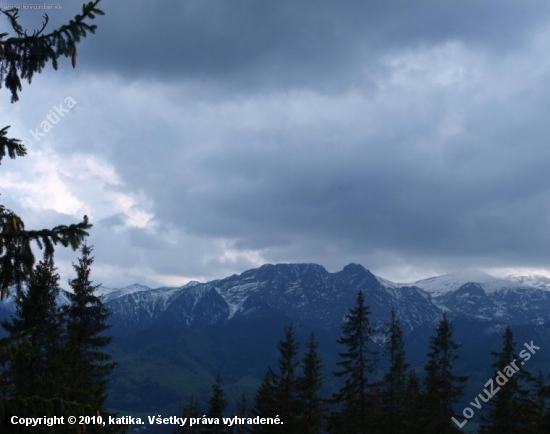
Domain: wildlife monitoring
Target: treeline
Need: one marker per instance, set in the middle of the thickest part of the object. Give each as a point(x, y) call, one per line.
point(404, 401)
point(53, 361)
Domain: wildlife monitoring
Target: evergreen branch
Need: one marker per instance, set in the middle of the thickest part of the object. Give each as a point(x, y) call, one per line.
point(23, 56)
point(13, 16)
point(11, 147)
point(16, 256)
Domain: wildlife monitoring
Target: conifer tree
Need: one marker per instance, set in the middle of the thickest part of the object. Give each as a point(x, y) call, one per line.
point(24, 55)
point(35, 336)
point(512, 410)
point(286, 391)
point(394, 389)
point(356, 397)
point(310, 403)
point(414, 406)
point(191, 410)
point(443, 387)
point(542, 392)
point(217, 404)
point(88, 365)
point(242, 412)
point(278, 393)
point(264, 402)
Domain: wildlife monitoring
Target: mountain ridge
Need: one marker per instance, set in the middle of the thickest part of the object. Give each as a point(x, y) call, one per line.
point(309, 293)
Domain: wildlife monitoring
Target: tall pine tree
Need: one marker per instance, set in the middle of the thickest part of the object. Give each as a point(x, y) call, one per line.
point(443, 387)
point(513, 409)
point(265, 403)
point(414, 408)
point(242, 411)
point(355, 400)
point(542, 392)
point(190, 410)
point(311, 405)
point(278, 393)
point(394, 389)
point(286, 392)
point(34, 339)
point(88, 366)
point(217, 404)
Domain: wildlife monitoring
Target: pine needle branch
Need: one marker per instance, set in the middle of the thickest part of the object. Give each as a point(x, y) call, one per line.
point(24, 55)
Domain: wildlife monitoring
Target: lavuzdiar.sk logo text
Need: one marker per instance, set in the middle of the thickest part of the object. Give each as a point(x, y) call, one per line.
point(501, 379)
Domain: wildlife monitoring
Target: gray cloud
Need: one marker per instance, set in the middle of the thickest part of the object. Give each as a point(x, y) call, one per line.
point(245, 45)
point(406, 136)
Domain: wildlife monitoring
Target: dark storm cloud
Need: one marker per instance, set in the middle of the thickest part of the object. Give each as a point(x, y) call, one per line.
point(251, 44)
point(287, 175)
point(395, 134)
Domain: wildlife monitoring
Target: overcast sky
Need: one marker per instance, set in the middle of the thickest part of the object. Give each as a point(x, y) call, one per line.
point(208, 137)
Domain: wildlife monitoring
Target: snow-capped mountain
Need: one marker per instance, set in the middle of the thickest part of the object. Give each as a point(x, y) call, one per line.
point(311, 295)
point(307, 293)
point(474, 293)
point(186, 306)
point(442, 285)
point(108, 293)
point(7, 306)
point(532, 280)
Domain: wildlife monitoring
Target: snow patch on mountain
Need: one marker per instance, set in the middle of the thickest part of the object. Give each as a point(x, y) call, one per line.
point(109, 293)
point(440, 285)
point(533, 280)
point(236, 295)
point(388, 284)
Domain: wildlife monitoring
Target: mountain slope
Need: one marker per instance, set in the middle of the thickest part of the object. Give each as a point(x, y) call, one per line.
point(307, 293)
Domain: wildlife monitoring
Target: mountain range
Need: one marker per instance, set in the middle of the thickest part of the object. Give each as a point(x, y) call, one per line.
point(170, 342)
point(309, 294)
